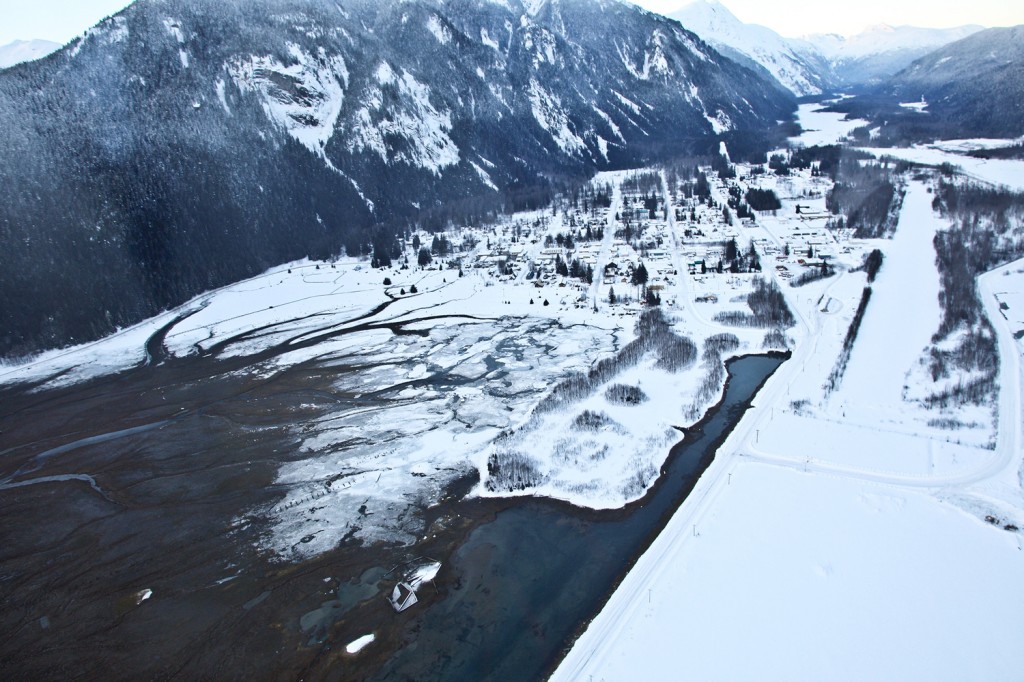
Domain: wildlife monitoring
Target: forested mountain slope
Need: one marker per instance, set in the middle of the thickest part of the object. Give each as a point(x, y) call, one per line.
point(184, 144)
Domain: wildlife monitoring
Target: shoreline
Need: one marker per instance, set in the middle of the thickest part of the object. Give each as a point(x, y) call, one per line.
point(261, 604)
point(685, 494)
point(474, 514)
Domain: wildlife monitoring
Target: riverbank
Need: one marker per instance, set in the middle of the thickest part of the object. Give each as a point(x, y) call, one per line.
point(821, 546)
point(528, 580)
point(215, 607)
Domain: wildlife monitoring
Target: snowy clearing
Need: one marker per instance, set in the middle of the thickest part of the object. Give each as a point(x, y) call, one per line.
point(795, 576)
point(999, 172)
point(823, 127)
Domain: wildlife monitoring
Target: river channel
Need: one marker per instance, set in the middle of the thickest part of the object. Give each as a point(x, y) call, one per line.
point(125, 557)
point(529, 580)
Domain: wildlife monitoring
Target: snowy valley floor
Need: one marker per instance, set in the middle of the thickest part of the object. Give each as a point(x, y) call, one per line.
point(841, 537)
point(841, 533)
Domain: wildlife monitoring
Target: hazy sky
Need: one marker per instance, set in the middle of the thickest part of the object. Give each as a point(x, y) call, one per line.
point(56, 20)
point(846, 17)
point(62, 20)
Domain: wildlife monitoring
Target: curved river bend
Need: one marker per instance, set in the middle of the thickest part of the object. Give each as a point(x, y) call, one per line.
point(136, 484)
point(529, 580)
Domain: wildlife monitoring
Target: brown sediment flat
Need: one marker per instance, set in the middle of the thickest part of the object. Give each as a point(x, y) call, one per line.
point(169, 457)
point(141, 481)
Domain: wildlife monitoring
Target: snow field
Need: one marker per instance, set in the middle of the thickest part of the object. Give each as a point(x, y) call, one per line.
point(823, 127)
point(793, 576)
point(1009, 173)
point(838, 537)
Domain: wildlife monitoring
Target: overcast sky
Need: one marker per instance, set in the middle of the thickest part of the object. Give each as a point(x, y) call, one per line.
point(847, 17)
point(56, 20)
point(62, 20)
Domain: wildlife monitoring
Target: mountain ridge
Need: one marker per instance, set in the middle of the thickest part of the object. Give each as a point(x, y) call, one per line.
point(792, 62)
point(818, 63)
point(184, 145)
point(974, 82)
point(20, 51)
point(881, 51)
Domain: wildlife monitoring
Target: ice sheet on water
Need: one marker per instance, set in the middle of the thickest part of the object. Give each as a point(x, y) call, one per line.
point(357, 645)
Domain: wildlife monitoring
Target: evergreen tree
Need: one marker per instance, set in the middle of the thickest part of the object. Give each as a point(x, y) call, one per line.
point(732, 250)
point(763, 200)
point(639, 275)
point(561, 268)
point(439, 247)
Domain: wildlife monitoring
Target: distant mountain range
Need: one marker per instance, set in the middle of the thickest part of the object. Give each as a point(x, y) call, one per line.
point(958, 82)
point(183, 144)
point(817, 63)
point(970, 88)
point(25, 51)
point(877, 54)
point(795, 64)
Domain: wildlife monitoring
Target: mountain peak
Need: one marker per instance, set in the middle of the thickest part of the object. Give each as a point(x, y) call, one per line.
point(755, 46)
point(215, 138)
point(708, 7)
point(25, 51)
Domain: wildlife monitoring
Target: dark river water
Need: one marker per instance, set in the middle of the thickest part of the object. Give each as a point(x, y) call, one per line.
point(534, 575)
point(141, 482)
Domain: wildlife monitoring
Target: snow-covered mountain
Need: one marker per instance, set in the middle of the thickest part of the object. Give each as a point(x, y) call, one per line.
point(25, 51)
point(182, 144)
point(816, 63)
point(974, 84)
point(794, 63)
point(882, 51)
point(967, 89)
